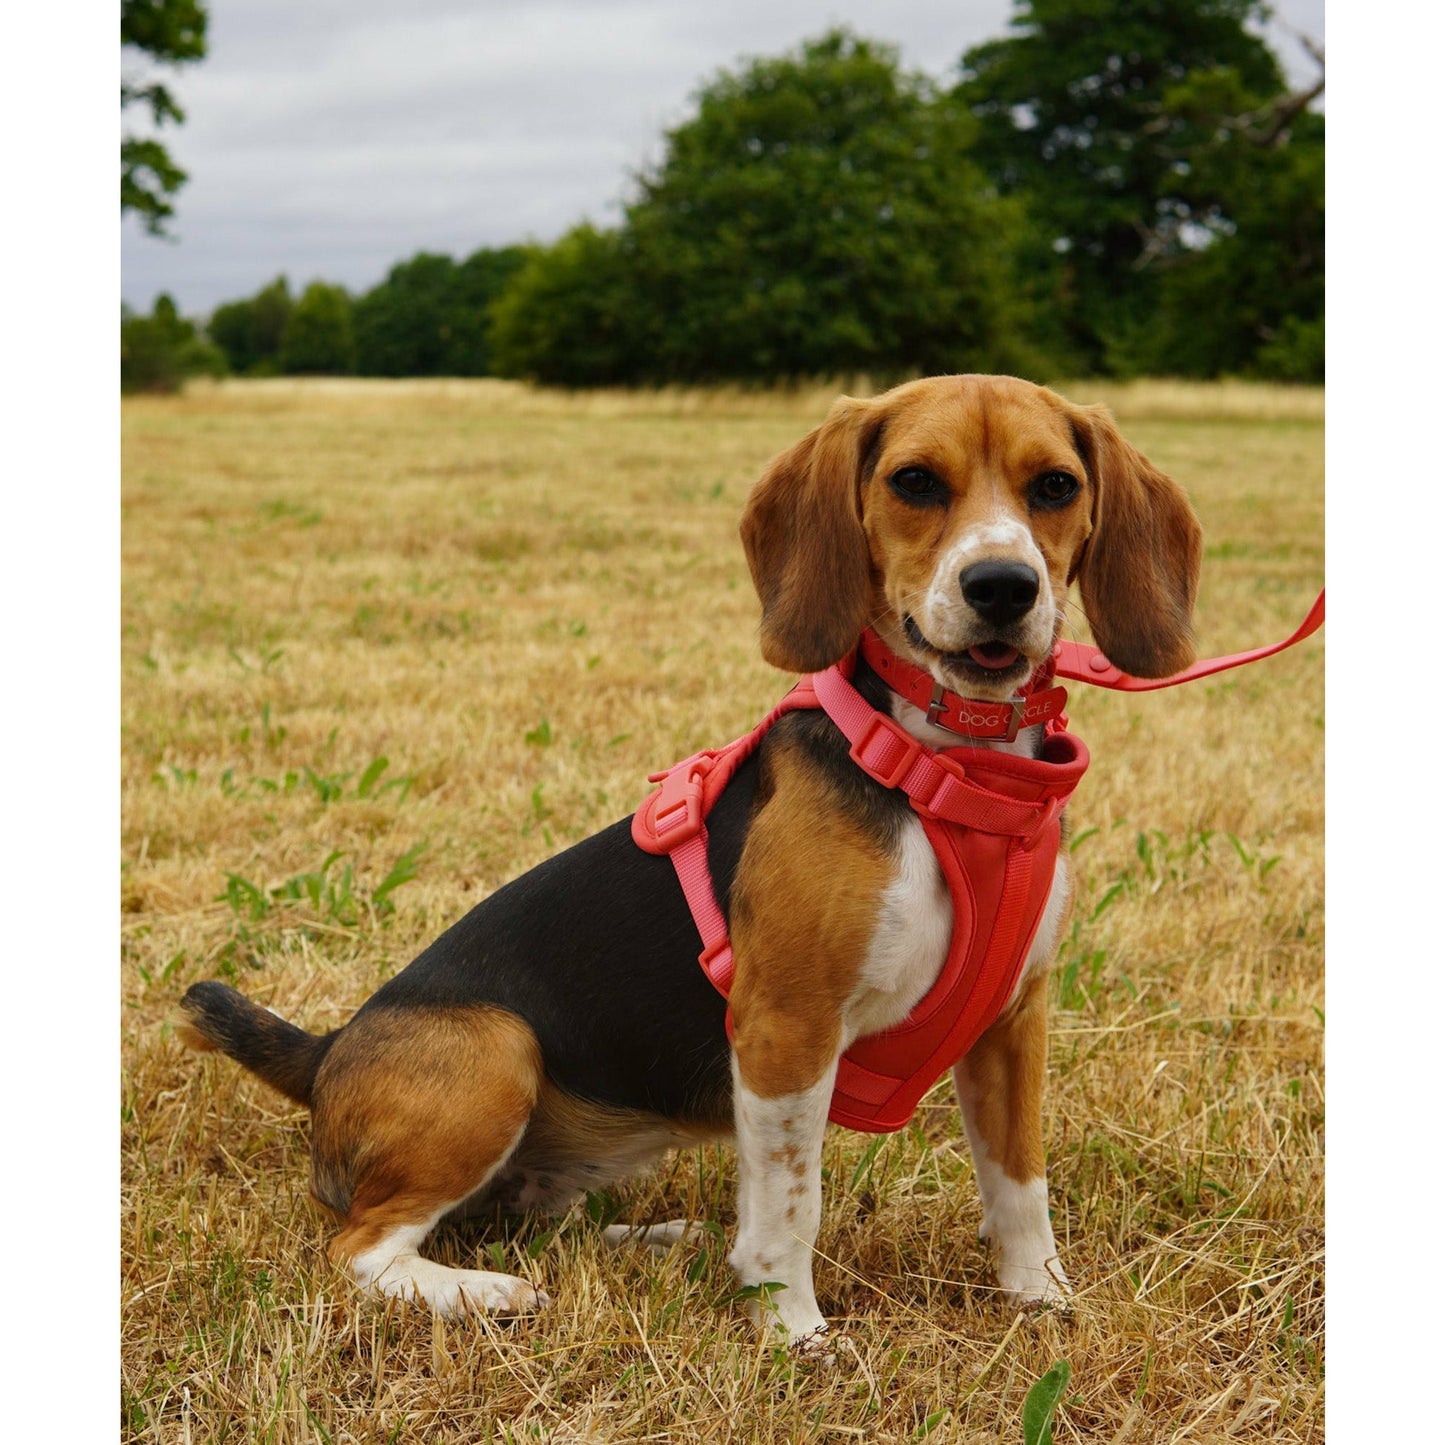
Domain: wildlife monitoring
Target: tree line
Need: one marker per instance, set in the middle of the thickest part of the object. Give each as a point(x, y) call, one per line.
point(1107, 190)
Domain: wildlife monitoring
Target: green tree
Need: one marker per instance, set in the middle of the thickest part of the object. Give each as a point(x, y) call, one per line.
point(1252, 302)
point(480, 280)
point(821, 214)
point(570, 315)
point(1097, 111)
point(818, 215)
point(158, 352)
point(318, 337)
point(430, 317)
point(171, 32)
point(250, 332)
point(403, 326)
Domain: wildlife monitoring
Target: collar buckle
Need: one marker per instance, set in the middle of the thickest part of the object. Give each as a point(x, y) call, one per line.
point(1017, 707)
point(936, 704)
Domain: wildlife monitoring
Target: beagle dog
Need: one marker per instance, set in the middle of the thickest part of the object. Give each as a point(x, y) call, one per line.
point(561, 1036)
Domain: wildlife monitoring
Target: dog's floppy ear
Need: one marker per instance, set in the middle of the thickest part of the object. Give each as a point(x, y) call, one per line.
point(1139, 570)
point(802, 530)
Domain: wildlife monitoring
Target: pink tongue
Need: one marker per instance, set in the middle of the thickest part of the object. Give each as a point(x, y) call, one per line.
point(995, 655)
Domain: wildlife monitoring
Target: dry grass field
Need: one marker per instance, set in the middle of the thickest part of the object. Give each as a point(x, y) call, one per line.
point(387, 645)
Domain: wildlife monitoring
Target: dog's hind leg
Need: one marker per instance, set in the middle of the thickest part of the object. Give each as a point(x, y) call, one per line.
point(416, 1109)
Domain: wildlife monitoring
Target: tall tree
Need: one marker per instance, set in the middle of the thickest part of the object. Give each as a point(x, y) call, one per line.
point(1097, 111)
point(480, 280)
point(171, 32)
point(821, 214)
point(158, 352)
point(1252, 302)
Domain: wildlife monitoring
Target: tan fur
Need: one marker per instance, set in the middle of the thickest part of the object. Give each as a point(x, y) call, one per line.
point(1140, 571)
point(804, 542)
point(191, 1037)
point(831, 548)
point(565, 1129)
point(1006, 1071)
point(803, 917)
point(415, 1109)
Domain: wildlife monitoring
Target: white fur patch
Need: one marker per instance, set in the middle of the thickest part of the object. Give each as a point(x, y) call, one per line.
point(392, 1267)
point(1016, 1224)
point(950, 623)
point(659, 1238)
point(1015, 1216)
point(910, 943)
point(780, 1201)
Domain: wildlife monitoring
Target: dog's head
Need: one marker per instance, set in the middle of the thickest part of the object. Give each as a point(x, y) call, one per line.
point(951, 515)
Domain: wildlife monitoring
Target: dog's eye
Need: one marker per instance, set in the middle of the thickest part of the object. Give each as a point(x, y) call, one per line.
point(918, 484)
point(1054, 489)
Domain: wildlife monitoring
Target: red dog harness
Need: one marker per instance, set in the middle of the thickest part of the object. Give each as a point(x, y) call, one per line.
point(992, 819)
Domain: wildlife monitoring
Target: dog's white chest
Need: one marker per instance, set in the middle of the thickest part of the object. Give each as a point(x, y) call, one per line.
point(915, 930)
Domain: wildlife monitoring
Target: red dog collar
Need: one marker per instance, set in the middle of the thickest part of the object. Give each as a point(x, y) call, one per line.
point(969, 717)
point(1039, 703)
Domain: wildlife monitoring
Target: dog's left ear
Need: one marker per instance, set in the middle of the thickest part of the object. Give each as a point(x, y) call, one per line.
point(802, 530)
point(1139, 570)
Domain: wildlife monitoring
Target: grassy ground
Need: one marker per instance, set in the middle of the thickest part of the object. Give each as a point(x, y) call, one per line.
point(387, 645)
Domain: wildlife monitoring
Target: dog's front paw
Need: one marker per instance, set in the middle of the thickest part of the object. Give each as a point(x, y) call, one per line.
point(1041, 1285)
point(817, 1346)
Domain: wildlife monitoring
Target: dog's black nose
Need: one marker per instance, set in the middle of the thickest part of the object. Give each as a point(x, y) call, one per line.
point(1000, 592)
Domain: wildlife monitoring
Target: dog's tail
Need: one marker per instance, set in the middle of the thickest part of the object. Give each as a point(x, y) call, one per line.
point(216, 1017)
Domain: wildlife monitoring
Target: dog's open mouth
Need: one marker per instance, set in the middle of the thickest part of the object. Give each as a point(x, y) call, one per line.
point(992, 659)
point(994, 655)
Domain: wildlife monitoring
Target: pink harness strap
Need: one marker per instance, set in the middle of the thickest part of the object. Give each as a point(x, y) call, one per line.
point(671, 821)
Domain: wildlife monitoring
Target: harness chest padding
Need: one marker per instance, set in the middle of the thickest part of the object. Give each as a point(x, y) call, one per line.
point(997, 858)
point(999, 888)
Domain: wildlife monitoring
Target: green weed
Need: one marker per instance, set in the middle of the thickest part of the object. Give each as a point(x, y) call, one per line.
point(332, 898)
point(1040, 1403)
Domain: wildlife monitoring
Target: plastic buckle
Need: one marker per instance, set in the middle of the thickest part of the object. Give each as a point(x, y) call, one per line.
point(717, 963)
point(911, 750)
point(1054, 807)
point(677, 814)
point(951, 773)
point(663, 775)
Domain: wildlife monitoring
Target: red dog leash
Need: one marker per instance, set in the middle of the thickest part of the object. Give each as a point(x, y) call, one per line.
point(1079, 662)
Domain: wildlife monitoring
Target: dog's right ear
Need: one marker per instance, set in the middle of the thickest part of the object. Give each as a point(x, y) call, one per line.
point(802, 530)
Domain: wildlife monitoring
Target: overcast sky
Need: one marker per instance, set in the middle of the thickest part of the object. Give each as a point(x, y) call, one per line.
point(333, 138)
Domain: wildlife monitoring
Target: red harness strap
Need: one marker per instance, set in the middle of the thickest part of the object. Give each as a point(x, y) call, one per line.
point(993, 822)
